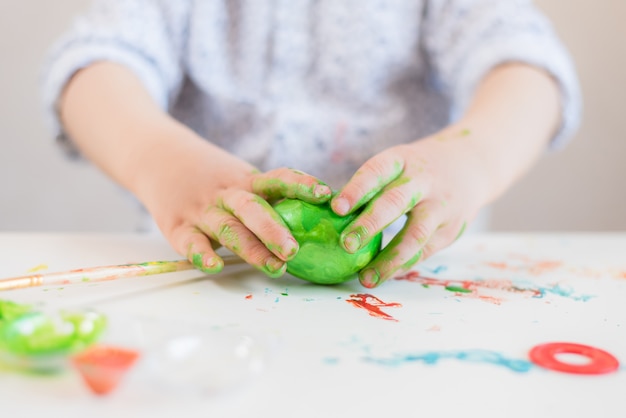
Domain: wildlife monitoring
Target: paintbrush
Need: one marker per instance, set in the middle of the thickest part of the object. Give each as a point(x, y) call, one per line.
point(99, 274)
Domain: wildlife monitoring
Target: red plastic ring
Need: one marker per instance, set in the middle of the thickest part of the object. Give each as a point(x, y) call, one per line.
point(600, 361)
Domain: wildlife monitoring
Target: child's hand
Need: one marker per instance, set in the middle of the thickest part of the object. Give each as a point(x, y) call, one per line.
point(438, 182)
point(201, 204)
point(240, 218)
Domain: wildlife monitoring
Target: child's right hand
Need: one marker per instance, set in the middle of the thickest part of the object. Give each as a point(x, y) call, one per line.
point(224, 201)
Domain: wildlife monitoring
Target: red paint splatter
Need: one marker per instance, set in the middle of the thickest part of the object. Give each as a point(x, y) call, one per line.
point(372, 305)
point(249, 296)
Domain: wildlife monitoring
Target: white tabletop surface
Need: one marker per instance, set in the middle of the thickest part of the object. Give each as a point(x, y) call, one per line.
point(287, 348)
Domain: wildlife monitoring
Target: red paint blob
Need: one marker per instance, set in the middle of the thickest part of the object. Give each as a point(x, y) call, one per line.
point(103, 367)
point(249, 296)
point(372, 305)
point(600, 361)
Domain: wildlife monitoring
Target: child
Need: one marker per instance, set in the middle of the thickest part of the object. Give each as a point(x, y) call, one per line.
point(429, 109)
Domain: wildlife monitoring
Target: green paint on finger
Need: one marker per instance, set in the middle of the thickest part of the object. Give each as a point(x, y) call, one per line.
point(196, 260)
point(461, 231)
point(229, 238)
point(270, 188)
point(399, 182)
point(382, 182)
point(415, 199)
point(413, 260)
point(274, 268)
point(212, 266)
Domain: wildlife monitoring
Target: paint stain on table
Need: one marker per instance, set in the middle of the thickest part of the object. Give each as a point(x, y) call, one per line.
point(469, 356)
point(373, 305)
point(472, 288)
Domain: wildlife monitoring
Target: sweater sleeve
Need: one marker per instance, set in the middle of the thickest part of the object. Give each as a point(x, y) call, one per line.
point(465, 39)
point(146, 36)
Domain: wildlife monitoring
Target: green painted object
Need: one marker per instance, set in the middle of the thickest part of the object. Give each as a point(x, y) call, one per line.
point(33, 333)
point(321, 258)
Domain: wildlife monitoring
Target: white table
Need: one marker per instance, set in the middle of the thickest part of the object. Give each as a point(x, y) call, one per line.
point(313, 352)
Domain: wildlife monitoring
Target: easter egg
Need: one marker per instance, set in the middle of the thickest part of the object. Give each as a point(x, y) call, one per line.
point(321, 259)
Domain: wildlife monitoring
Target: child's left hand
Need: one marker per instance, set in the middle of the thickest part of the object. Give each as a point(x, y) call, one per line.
point(438, 182)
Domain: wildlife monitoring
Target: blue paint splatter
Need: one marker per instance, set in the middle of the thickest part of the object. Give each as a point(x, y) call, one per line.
point(566, 292)
point(473, 356)
point(436, 270)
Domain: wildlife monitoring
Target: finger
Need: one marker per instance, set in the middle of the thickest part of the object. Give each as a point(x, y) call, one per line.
point(444, 236)
point(292, 184)
point(198, 250)
point(226, 229)
point(367, 182)
point(399, 197)
point(406, 248)
point(258, 216)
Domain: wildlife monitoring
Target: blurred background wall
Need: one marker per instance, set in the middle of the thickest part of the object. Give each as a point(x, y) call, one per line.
point(579, 188)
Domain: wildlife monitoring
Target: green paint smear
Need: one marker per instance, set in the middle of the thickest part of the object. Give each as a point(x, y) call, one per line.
point(458, 289)
point(11, 310)
point(382, 182)
point(321, 259)
point(24, 331)
point(413, 260)
point(461, 231)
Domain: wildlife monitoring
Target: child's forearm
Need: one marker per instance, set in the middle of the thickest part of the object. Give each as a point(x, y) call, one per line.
point(514, 114)
point(111, 118)
point(116, 124)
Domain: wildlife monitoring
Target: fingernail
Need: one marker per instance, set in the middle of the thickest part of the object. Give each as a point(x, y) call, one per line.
point(369, 278)
point(321, 190)
point(352, 242)
point(212, 265)
point(273, 266)
point(289, 248)
point(341, 206)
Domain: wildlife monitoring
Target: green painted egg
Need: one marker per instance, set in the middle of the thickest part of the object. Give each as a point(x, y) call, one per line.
point(321, 258)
